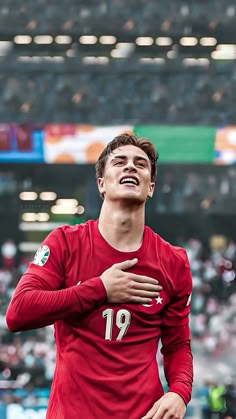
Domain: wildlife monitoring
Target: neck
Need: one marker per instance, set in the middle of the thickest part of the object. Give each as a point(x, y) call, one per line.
point(122, 227)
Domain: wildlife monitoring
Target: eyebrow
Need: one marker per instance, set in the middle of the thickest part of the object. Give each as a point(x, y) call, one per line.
point(123, 157)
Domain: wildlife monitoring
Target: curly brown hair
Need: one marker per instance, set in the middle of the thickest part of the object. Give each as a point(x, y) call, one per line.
point(128, 139)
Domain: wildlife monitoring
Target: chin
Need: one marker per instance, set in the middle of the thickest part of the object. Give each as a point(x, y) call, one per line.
point(129, 196)
point(132, 199)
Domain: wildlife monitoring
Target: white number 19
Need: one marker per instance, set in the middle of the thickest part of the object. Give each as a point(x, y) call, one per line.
point(123, 318)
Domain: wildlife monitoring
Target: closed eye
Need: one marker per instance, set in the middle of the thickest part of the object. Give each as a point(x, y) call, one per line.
point(141, 162)
point(118, 163)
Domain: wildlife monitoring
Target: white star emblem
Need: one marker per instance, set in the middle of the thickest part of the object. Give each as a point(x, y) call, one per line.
point(159, 300)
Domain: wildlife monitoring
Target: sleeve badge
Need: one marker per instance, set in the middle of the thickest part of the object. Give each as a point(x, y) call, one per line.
point(41, 256)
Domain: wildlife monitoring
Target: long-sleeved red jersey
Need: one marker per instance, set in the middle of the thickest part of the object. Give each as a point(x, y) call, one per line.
point(106, 362)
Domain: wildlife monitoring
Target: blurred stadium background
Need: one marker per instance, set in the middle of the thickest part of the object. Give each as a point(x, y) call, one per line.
point(72, 76)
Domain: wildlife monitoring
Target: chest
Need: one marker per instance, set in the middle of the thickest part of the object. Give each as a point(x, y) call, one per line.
point(119, 321)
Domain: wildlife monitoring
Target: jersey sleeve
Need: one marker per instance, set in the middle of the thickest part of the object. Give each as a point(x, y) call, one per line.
point(178, 310)
point(176, 337)
point(41, 299)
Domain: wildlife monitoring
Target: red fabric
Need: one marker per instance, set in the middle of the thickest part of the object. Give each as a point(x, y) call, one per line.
point(106, 353)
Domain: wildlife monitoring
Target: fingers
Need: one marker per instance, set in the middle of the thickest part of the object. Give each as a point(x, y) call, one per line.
point(155, 288)
point(145, 294)
point(128, 287)
point(141, 298)
point(152, 411)
point(127, 264)
point(138, 278)
point(143, 279)
point(134, 299)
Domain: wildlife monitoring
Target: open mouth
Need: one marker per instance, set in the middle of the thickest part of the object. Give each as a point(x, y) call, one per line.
point(129, 181)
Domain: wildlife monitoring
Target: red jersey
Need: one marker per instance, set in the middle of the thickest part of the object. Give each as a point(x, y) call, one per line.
point(106, 362)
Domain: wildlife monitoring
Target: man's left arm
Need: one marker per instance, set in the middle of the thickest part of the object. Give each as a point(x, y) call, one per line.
point(178, 368)
point(176, 346)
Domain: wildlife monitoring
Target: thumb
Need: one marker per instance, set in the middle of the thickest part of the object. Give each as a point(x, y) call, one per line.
point(126, 264)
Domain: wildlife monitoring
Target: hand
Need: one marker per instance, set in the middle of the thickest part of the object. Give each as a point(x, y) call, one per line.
point(127, 287)
point(169, 406)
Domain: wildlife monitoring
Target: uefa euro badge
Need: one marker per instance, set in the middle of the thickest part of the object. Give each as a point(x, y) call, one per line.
point(41, 256)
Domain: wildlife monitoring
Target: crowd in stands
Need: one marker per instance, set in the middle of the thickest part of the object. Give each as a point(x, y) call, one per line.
point(187, 190)
point(186, 98)
point(72, 93)
point(136, 15)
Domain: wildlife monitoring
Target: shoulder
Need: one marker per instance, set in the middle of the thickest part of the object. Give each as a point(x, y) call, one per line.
point(167, 250)
point(75, 230)
point(180, 254)
point(68, 234)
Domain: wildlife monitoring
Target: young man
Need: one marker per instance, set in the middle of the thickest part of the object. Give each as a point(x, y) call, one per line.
point(113, 288)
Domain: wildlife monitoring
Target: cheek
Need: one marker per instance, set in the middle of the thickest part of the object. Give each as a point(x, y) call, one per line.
point(110, 179)
point(106, 183)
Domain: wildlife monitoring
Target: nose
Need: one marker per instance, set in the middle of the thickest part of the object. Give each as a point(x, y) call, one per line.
point(130, 166)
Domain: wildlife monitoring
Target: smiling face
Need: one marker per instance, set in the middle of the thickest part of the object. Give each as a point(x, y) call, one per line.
point(127, 175)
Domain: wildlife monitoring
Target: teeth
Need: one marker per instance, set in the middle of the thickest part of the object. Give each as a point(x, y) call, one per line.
point(129, 179)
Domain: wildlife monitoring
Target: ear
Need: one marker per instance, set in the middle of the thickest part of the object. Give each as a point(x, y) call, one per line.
point(151, 189)
point(101, 186)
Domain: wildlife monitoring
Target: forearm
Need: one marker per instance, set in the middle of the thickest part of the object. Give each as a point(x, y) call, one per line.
point(178, 362)
point(179, 373)
point(33, 307)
